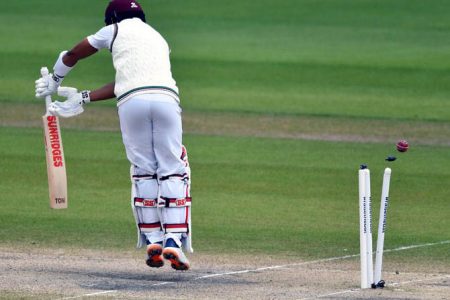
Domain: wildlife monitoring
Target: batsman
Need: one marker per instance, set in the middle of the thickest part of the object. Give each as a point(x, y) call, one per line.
point(150, 121)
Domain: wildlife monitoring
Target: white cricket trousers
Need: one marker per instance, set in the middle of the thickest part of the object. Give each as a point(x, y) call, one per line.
point(152, 134)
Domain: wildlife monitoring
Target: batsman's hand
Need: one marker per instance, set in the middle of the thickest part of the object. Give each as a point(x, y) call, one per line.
point(73, 106)
point(47, 85)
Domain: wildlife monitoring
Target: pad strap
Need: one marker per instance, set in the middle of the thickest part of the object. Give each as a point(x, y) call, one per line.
point(145, 202)
point(176, 228)
point(174, 202)
point(179, 176)
point(144, 177)
point(149, 227)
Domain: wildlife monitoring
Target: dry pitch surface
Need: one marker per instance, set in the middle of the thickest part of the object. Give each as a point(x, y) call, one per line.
point(88, 274)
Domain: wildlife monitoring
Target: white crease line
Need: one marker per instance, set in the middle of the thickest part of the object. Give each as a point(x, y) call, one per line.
point(107, 292)
point(275, 267)
point(224, 274)
point(317, 261)
point(89, 295)
point(269, 268)
point(417, 246)
point(333, 294)
point(420, 280)
point(161, 283)
point(392, 284)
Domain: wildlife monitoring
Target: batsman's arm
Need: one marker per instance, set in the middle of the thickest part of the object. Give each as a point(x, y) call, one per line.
point(48, 85)
point(82, 50)
point(103, 93)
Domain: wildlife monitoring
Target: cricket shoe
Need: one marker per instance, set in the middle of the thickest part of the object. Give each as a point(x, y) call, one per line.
point(154, 258)
point(175, 255)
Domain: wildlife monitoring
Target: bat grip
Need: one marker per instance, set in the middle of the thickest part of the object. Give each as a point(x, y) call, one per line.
point(48, 99)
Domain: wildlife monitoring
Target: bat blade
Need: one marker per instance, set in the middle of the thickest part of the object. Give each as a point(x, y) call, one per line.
point(56, 165)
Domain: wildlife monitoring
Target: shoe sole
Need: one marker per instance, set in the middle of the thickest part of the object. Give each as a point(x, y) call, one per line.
point(172, 256)
point(154, 259)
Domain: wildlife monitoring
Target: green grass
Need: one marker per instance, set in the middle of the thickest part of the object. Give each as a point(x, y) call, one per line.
point(388, 59)
point(341, 62)
point(251, 195)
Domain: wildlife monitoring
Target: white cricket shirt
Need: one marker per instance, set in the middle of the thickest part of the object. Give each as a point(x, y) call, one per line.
point(141, 58)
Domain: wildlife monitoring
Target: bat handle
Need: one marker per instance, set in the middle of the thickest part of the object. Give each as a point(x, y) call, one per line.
point(48, 99)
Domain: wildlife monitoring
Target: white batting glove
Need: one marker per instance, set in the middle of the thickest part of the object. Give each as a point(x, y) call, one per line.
point(47, 85)
point(73, 106)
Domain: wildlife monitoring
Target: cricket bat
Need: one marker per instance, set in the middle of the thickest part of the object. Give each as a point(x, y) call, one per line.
point(56, 166)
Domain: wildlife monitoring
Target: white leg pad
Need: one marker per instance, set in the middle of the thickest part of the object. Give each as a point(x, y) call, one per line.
point(144, 195)
point(187, 238)
point(175, 204)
